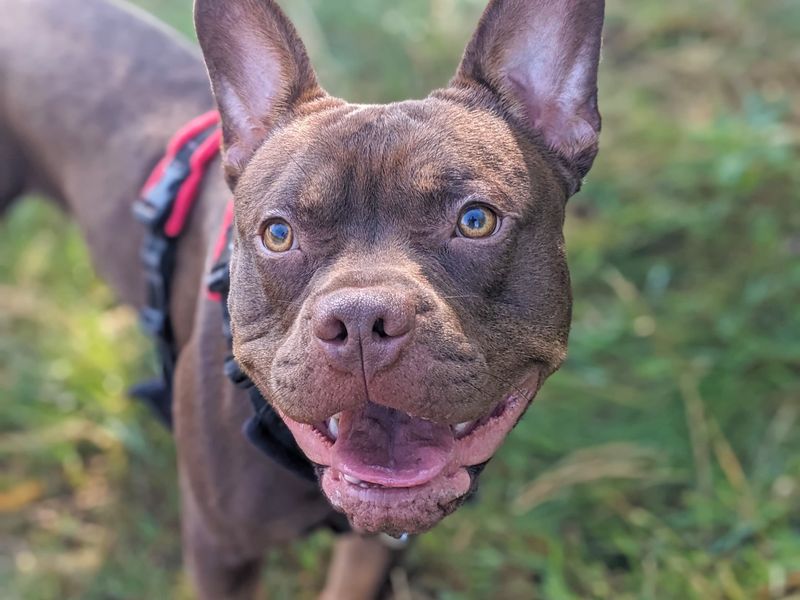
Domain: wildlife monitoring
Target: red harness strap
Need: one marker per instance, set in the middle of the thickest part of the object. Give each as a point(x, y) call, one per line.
point(164, 206)
point(183, 136)
point(189, 189)
point(200, 157)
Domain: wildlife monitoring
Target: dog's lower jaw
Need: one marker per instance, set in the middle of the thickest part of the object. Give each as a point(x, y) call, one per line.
point(396, 511)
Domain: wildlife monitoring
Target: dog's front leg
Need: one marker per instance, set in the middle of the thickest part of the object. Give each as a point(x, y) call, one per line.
point(358, 568)
point(216, 572)
point(222, 561)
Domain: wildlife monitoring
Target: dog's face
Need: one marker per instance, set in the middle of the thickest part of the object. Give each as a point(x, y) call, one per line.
point(398, 284)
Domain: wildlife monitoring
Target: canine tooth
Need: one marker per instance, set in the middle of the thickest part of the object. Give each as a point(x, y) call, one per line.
point(333, 426)
point(351, 479)
point(462, 428)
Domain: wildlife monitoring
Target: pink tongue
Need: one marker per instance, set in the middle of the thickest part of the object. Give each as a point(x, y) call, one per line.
point(388, 447)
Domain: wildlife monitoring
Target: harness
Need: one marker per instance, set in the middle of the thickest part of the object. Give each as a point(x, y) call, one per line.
point(164, 206)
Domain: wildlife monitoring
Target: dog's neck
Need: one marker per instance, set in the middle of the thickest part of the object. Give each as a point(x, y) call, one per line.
point(89, 136)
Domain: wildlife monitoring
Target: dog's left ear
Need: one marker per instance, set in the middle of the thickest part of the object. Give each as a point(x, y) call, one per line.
point(259, 71)
point(540, 58)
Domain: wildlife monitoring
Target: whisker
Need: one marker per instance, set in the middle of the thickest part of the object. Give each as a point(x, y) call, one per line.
point(297, 164)
point(461, 296)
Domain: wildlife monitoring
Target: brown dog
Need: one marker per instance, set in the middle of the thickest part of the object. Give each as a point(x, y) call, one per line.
point(398, 284)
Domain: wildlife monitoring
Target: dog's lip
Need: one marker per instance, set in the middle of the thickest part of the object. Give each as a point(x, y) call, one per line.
point(401, 502)
point(465, 438)
point(396, 510)
point(475, 446)
point(330, 426)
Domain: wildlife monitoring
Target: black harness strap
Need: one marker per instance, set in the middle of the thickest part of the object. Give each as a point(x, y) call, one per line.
point(157, 254)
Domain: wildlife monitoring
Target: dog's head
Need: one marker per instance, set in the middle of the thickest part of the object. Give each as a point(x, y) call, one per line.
point(398, 284)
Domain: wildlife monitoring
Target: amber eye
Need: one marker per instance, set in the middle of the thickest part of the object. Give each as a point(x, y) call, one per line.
point(278, 236)
point(477, 221)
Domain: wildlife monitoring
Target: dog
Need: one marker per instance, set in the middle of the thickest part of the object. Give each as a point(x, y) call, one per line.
point(398, 285)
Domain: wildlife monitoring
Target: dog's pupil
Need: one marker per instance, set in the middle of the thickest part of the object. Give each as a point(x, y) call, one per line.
point(279, 232)
point(474, 218)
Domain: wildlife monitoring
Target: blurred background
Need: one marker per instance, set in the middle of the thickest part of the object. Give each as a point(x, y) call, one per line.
point(663, 461)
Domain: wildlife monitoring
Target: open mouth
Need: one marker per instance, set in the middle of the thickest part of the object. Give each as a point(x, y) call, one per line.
point(392, 472)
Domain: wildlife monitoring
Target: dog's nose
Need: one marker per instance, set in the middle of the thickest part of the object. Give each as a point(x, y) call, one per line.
point(363, 328)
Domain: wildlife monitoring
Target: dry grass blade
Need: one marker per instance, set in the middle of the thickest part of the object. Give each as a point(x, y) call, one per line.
point(609, 461)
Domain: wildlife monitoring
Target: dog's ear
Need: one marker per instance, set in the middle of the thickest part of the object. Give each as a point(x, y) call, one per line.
point(259, 72)
point(540, 57)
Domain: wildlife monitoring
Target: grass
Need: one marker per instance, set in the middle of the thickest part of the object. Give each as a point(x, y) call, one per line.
point(662, 462)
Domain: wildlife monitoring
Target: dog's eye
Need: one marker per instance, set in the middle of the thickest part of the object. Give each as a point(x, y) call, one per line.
point(277, 236)
point(477, 221)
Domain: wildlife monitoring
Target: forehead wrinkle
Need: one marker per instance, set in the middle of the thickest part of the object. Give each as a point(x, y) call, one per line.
point(370, 167)
point(316, 187)
point(395, 149)
point(504, 164)
point(327, 206)
point(448, 158)
point(357, 149)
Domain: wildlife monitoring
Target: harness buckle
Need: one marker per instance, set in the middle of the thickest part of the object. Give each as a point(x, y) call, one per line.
point(153, 208)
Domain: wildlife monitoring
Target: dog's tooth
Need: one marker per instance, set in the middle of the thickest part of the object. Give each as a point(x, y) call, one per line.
point(333, 426)
point(351, 479)
point(462, 428)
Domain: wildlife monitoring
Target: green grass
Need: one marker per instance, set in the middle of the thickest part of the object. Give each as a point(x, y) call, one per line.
point(663, 461)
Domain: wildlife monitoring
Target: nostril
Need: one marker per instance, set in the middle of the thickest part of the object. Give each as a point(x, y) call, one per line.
point(342, 333)
point(378, 328)
point(391, 328)
point(331, 330)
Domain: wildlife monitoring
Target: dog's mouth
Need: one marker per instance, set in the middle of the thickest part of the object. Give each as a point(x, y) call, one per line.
point(392, 472)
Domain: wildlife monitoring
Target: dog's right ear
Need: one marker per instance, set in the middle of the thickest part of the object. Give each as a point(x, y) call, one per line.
point(259, 72)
